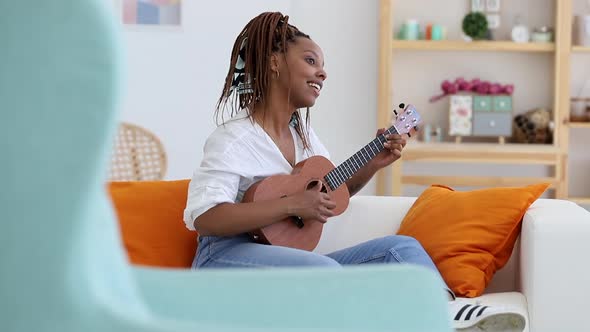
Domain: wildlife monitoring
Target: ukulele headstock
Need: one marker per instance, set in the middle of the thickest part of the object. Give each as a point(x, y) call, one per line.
point(406, 121)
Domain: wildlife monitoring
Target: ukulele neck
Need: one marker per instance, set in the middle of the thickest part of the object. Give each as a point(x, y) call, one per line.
point(348, 168)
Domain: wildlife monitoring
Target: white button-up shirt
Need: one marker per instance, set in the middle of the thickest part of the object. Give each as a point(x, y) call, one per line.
point(235, 156)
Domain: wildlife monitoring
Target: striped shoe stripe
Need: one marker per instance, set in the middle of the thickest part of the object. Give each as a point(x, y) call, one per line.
point(458, 315)
point(481, 311)
point(468, 317)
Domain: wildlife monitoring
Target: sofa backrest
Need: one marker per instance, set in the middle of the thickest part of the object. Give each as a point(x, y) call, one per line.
point(154, 234)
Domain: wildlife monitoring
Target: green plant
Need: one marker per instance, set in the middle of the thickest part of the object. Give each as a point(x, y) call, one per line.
point(475, 25)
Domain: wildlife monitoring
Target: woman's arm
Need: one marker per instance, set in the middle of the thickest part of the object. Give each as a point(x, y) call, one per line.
point(360, 179)
point(229, 219)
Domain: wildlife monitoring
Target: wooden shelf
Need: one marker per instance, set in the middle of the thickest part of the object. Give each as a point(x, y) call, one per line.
point(554, 156)
point(579, 124)
point(490, 46)
point(580, 200)
point(476, 181)
point(482, 153)
point(581, 49)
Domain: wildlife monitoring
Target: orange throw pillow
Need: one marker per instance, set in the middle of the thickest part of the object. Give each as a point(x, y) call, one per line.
point(150, 215)
point(469, 235)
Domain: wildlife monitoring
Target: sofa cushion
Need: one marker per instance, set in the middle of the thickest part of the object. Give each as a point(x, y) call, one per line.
point(150, 215)
point(471, 234)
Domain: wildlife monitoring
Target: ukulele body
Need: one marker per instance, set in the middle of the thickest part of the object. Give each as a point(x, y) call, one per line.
point(305, 234)
point(305, 175)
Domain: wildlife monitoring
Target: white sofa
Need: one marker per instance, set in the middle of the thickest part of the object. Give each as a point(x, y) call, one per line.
point(547, 278)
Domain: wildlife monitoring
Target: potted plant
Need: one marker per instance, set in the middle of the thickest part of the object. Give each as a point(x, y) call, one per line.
point(475, 25)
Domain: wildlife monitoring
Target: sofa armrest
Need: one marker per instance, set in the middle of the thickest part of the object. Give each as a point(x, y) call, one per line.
point(554, 276)
point(366, 218)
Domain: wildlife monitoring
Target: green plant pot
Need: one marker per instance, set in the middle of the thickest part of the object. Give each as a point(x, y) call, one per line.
point(475, 25)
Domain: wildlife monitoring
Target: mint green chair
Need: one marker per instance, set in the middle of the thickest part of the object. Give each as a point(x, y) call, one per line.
point(63, 264)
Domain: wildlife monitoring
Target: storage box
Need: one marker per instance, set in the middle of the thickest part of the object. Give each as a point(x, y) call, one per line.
point(480, 115)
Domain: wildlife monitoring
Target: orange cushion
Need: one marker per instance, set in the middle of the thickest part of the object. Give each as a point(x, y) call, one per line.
point(469, 235)
point(150, 214)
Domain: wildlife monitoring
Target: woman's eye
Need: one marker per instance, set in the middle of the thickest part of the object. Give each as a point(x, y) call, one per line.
point(311, 61)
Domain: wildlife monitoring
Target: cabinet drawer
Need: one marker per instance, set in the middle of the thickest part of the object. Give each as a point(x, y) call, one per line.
point(492, 124)
point(502, 103)
point(482, 103)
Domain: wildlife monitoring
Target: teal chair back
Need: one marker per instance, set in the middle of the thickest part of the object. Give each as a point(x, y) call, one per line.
point(60, 73)
point(63, 264)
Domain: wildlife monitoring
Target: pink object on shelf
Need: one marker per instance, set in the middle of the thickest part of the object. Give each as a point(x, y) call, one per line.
point(508, 89)
point(475, 85)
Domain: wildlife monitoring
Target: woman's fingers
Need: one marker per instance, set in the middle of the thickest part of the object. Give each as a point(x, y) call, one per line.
point(395, 142)
point(392, 147)
point(326, 213)
point(328, 202)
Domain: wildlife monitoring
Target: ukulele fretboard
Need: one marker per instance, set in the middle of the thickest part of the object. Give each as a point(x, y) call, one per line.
point(348, 168)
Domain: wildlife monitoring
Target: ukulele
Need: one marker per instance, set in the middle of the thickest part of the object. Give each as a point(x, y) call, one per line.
point(305, 234)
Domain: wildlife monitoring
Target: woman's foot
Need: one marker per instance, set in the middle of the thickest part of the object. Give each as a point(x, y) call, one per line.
point(468, 316)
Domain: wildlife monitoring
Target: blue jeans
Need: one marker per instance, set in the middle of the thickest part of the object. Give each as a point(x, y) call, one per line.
point(241, 251)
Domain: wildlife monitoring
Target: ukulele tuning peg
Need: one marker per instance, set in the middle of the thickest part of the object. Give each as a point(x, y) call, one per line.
point(395, 112)
point(402, 106)
point(409, 135)
point(416, 128)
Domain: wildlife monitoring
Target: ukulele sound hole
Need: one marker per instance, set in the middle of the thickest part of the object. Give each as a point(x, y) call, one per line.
point(314, 183)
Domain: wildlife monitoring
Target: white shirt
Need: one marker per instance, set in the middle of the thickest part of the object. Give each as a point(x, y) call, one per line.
point(237, 155)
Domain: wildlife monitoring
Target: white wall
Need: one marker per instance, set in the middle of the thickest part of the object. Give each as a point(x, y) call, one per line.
point(345, 116)
point(175, 75)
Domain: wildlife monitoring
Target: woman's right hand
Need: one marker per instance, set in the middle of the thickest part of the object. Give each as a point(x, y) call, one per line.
point(311, 204)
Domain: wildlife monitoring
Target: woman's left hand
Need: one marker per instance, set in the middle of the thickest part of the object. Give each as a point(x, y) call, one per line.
point(393, 150)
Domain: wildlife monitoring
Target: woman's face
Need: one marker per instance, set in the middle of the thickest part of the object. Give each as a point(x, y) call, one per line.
point(304, 72)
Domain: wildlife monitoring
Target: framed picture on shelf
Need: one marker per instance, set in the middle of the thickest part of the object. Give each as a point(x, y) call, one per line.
point(493, 5)
point(478, 5)
point(493, 21)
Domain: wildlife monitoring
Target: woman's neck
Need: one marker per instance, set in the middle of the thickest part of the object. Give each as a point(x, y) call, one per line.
point(274, 118)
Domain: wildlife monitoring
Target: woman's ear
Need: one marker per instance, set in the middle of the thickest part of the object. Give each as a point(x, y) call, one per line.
point(274, 62)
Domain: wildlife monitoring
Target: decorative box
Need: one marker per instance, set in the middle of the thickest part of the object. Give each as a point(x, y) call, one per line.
point(460, 115)
point(480, 115)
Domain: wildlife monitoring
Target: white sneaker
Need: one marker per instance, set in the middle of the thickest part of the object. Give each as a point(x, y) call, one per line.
point(479, 317)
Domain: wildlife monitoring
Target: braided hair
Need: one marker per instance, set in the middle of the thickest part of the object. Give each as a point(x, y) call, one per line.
point(248, 80)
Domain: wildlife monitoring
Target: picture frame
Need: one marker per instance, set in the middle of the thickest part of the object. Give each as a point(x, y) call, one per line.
point(493, 21)
point(493, 5)
point(478, 5)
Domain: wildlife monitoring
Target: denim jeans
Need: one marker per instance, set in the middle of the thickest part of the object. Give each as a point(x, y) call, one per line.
point(241, 251)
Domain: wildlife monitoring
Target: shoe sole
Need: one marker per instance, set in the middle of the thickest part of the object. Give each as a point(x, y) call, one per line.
point(500, 322)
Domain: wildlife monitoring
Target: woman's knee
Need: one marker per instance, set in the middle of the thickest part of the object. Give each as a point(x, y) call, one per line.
point(406, 241)
point(318, 260)
point(407, 244)
point(408, 249)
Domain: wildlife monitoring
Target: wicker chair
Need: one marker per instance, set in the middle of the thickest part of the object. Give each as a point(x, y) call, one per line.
point(138, 155)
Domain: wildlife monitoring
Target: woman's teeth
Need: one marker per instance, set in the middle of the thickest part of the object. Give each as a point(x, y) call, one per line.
point(315, 86)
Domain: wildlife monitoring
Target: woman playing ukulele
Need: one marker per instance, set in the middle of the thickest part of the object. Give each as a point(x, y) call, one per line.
point(275, 71)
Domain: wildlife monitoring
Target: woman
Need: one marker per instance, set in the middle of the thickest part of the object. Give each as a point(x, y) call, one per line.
point(275, 71)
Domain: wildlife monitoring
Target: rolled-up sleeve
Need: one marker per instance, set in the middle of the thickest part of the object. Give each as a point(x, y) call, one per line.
point(214, 182)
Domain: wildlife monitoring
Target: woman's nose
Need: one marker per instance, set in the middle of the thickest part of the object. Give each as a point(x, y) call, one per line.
point(322, 74)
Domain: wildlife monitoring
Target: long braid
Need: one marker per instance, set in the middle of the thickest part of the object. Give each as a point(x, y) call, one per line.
point(265, 34)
